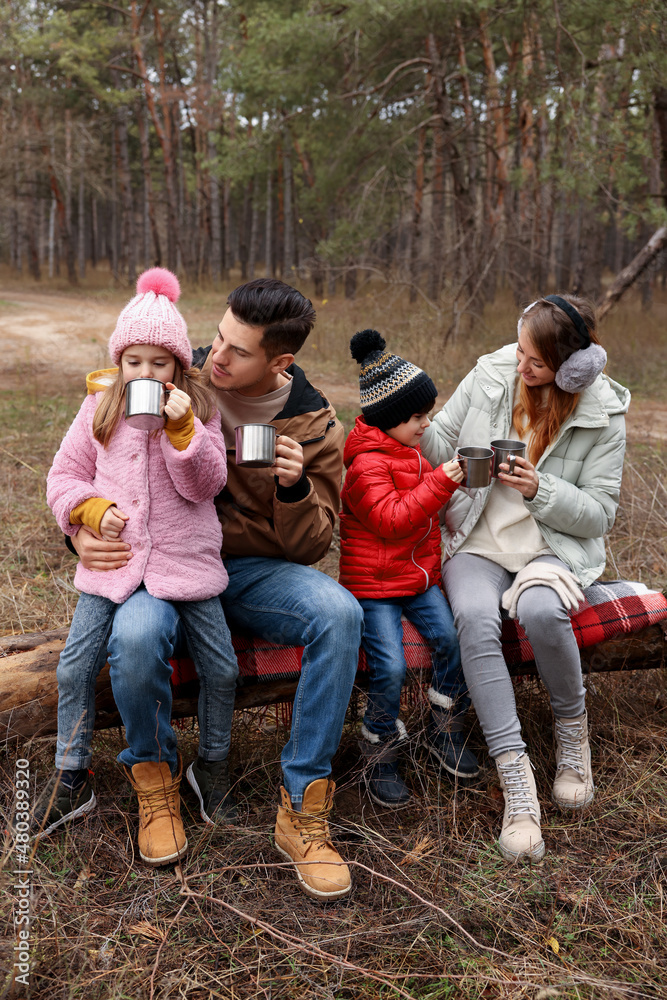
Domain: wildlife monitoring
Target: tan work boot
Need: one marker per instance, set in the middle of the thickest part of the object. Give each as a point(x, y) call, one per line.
point(161, 837)
point(303, 838)
point(573, 786)
point(521, 836)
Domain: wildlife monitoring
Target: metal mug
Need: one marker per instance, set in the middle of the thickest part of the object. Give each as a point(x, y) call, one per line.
point(255, 445)
point(476, 465)
point(505, 452)
point(145, 400)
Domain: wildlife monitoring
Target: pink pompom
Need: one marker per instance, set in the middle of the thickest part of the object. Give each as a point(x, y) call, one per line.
point(160, 281)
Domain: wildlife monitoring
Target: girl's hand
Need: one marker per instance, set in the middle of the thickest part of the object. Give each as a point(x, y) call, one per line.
point(525, 478)
point(178, 403)
point(453, 470)
point(112, 523)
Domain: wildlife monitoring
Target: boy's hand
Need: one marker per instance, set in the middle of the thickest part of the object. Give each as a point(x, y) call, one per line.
point(112, 523)
point(453, 470)
point(178, 403)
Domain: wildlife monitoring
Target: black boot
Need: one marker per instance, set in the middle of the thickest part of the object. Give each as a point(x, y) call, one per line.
point(446, 742)
point(381, 775)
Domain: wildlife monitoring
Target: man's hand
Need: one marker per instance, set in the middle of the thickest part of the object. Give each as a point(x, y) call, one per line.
point(98, 553)
point(288, 466)
point(112, 523)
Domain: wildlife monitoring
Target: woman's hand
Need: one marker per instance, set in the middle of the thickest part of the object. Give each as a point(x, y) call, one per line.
point(525, 478)
point(112, 523)
point(178, 403)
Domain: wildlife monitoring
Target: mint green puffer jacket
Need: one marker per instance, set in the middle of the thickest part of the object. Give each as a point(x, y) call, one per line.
point(579, 474)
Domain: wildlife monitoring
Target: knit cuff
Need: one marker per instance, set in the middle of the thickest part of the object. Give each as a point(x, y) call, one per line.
point(181, 432)
point(292, 494)
point(91, 512)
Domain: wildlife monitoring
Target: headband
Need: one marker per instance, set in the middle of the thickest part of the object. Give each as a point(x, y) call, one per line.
point(575, 316)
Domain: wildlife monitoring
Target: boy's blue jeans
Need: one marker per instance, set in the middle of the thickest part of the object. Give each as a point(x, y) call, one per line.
point(383, 641)
point(138, 638)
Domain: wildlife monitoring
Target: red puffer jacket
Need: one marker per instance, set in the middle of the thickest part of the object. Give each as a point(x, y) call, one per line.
point(389, 529)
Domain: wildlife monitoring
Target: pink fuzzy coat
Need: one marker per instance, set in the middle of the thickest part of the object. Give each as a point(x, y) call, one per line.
point(173, 527)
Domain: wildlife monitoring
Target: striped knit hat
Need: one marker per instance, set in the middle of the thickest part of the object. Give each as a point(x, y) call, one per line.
point(391, 389)
point(151, 317)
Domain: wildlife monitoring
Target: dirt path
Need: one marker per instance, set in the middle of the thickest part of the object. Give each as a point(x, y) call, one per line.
point(58, 336)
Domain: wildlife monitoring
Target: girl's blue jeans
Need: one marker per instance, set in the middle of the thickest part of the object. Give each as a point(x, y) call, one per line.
point(138, 638)
point(383, 642)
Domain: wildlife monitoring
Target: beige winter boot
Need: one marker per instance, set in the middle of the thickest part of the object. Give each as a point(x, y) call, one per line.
point(573, 785)
point(521, 836)
point(161, 836)
point(303, 838)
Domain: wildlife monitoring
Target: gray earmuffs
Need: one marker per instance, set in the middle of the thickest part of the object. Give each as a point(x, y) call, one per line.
point(585, 364)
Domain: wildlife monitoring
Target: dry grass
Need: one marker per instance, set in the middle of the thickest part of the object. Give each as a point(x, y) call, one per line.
point(434, 913)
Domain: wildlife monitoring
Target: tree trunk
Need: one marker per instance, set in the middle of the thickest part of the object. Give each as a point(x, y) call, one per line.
point(29, 692)
point(269, 262)
point(417, 205)
point(149, 197)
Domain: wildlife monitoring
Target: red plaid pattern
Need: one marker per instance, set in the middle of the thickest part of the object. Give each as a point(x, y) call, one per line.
point(609, 609)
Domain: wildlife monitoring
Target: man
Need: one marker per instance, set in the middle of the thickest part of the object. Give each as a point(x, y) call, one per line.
point(276, 523)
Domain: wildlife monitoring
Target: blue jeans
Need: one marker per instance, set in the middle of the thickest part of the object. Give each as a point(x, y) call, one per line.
point(383, 641)
point(297, 605)
point(138, 638)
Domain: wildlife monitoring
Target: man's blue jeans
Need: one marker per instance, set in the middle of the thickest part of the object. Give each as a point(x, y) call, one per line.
point(297, 605)
point(383, 641)
point(139, 637)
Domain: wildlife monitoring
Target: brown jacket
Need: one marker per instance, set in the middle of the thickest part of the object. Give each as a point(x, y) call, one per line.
point(261, 518)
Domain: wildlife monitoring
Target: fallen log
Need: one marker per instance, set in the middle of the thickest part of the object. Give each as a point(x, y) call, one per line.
point(627, 277)
point(29, 695)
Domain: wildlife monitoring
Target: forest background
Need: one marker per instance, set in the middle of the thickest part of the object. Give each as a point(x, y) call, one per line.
point(427, 168)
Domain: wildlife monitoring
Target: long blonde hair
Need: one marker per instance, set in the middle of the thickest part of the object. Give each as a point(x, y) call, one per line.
point(554, 338)
point(111, 407)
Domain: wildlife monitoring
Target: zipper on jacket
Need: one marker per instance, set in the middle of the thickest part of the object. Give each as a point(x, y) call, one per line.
point(428, 531)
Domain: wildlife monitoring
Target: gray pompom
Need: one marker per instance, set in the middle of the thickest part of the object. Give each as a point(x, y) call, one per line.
point(581, 368)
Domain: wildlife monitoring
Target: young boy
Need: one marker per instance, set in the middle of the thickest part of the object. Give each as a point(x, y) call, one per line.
point(390, 561)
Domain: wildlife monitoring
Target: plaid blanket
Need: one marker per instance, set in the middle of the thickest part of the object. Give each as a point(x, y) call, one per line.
point(609, 609)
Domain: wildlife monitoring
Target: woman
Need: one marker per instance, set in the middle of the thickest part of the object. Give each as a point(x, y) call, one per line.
point(533, 535)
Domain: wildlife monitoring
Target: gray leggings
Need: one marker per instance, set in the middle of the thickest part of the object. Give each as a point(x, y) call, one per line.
point(474, 587)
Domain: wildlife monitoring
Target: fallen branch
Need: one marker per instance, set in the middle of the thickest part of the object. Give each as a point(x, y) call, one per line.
point(627, 277)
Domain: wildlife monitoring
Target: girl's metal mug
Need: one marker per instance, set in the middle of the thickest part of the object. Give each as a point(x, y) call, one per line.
point(255, 445)
point(505, 452)
point(145, 399)
point(476, 465)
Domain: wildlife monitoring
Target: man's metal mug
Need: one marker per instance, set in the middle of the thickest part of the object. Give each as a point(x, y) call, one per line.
point(145, 400)
point(505, 452)
point(255, 445)
point(476, 466)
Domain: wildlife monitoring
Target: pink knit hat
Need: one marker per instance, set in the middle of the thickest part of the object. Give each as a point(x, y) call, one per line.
point(151, 317)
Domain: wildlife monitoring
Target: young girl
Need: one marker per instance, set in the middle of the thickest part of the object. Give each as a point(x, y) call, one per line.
point(156, 490)
point(390, 560)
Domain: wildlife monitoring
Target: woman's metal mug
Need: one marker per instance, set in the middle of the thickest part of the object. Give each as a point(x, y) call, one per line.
point(255, 445)
point(505, 452)
point(145, 399)
point(476, 466)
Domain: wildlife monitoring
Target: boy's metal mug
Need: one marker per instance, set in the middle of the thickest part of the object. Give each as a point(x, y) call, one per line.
point(255, 445)
point(145, 399)
point(505, 452)
point(476, 466)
